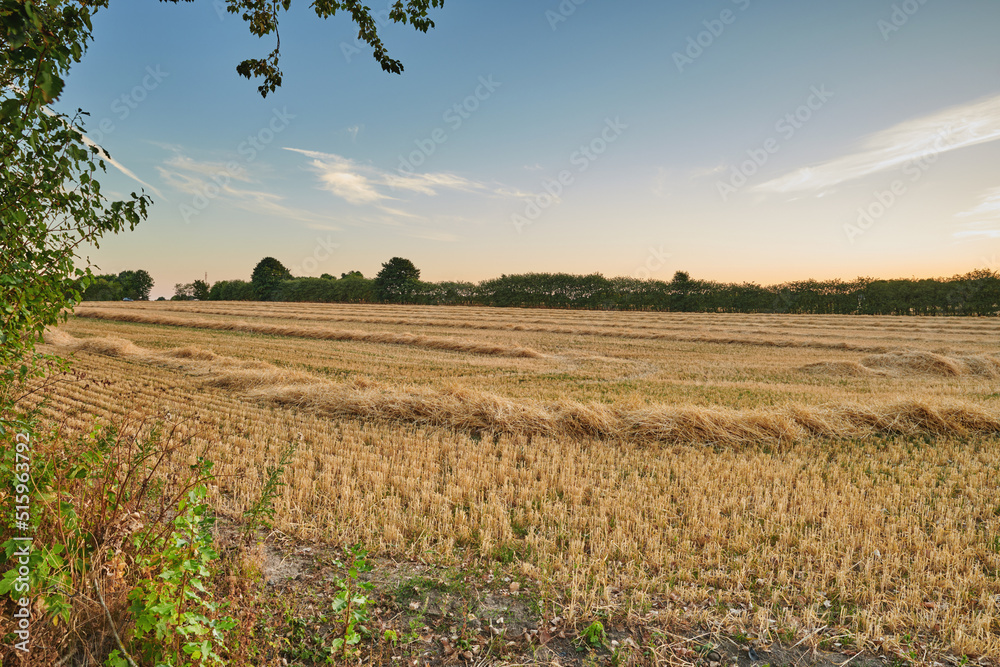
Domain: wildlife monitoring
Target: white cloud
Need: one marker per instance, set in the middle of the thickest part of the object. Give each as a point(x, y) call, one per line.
point(948, 130)
point(201, 178)
point(359, 183)
point(208, 167)
point(102, 154)
point(984, 217)
point(119, 166)
point(988, 207)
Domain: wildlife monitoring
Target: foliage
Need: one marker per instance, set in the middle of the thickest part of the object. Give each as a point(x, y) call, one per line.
point(197, 290)
point(99, 518)
point(231, 290)
point(133, 285)
point(177, 622)
point(594, 634)
point(352, 289)
point(262, 18)
point(52, 203)
point(104, 288)
point(398, 280)
point(200, 289)
point(261, 512)
point(974, 293)
point(352, 602)
point(266, 278)
point(327, 636)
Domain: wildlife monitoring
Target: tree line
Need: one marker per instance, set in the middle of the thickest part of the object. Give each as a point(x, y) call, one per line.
point(973, 293)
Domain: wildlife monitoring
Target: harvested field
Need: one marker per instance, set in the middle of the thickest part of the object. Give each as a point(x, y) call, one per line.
point(766, 474)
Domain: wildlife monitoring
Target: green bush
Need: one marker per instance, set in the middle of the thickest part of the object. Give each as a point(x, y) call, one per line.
point(119, 541)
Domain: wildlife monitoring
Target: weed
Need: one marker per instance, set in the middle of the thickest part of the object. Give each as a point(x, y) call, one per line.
point(594, 634)
point(261, 512)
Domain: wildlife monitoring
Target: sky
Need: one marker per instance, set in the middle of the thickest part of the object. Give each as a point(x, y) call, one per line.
point(738, 140)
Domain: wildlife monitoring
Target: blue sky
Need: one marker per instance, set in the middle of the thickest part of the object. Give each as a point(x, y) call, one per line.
point(734, 139)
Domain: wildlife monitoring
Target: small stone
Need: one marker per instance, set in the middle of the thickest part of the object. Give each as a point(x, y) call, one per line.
point(515, 587)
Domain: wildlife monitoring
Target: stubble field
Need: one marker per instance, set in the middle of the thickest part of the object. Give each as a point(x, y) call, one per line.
point(762, 474)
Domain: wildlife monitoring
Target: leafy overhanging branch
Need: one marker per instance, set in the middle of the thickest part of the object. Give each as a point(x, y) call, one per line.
point(262, 18)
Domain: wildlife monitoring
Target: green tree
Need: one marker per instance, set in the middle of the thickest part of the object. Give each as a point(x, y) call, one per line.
point(183, 292)
point(398, 280)
point(231, 290)
point(103, 288)
point(136, 284)
point(51, 200)
point(267, 277)
point(200, 290)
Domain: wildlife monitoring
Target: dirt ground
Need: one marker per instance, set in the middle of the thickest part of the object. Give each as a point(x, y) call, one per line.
point(419, 614)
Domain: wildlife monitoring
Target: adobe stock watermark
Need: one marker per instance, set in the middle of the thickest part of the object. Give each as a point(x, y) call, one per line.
point(322, 252)
point(786, 126)
point(582, 159)
point(714, 29)
point(454, 116)
point(565, 9)
point(883, 200)
point(248, 150)
point(655, 262)
point(21, 554)
point(123, 105)
point(900, 16)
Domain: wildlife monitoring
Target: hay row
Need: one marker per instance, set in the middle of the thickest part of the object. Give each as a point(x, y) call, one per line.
point(384, 337)
point(901, 363)
point(463, 346)
point(471, 410)
point(500, 319)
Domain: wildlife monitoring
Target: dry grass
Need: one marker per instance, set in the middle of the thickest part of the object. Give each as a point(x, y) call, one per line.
point(862, 333)
point(455, 407)
point(634, 333)
point(431, 342)
point(863, 499)
point(929, 363)
point(911, 362)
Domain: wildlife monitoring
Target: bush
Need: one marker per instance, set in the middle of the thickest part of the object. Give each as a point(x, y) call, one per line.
point(108, 534)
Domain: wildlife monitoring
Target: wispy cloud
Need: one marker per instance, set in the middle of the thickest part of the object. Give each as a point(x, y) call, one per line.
point(361, 184)
point(103, 154)
point(989, 206)
point(984, 217)
point(200, 177)
point(119, 166)
point(948, 130)
point(208, 168)
point(354, 131)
